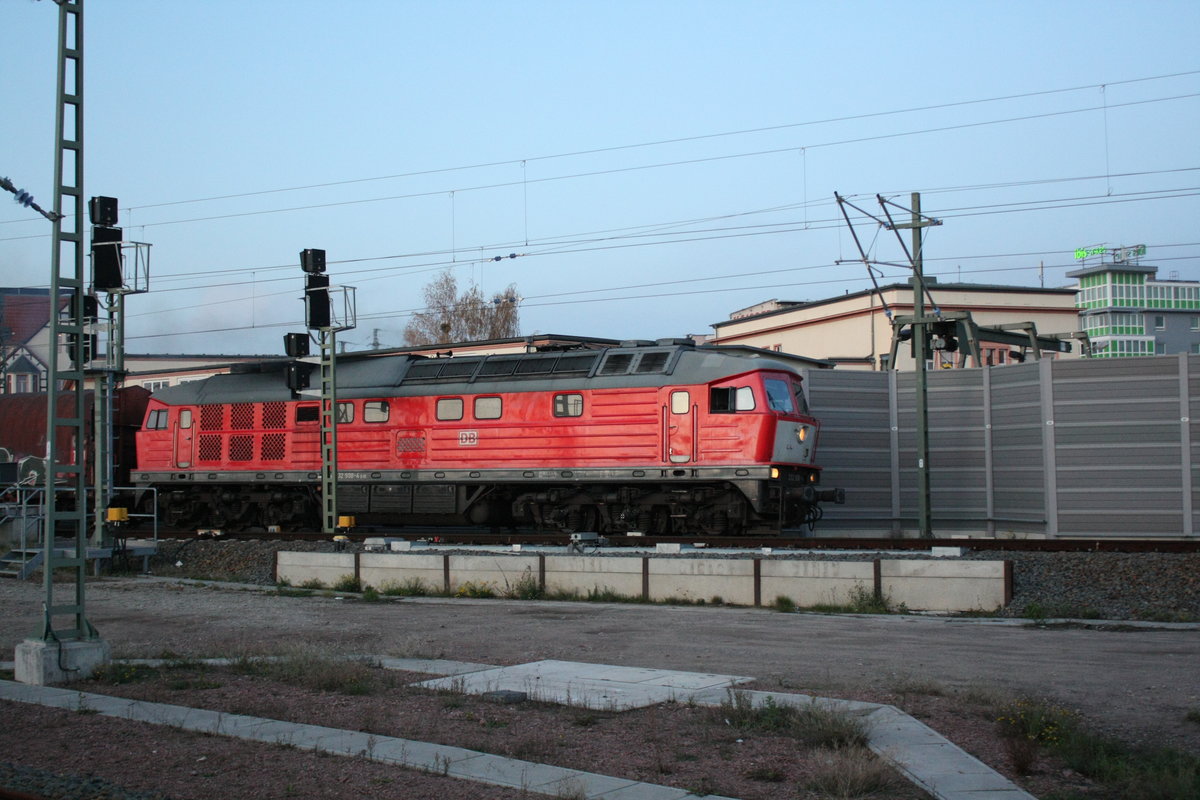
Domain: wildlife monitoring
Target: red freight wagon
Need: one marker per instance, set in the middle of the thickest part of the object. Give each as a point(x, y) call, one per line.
point(662, 437)
point(23, 427)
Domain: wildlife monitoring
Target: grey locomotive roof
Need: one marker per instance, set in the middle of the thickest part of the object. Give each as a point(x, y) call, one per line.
point(631, 366)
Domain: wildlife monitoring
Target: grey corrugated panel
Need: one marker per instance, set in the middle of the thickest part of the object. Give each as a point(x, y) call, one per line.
point(1012, 416)
point(1151, 499)
point(1126, 525)
point(1165, 455)
point(1113, 369)
point(1158, 403)
point(1018, 474)
point(857, 459)
point(851, 418)
point(1127, 389)
point(1109, 453)
point(1143, 479)
point(1137, 432)
point(1014, 374)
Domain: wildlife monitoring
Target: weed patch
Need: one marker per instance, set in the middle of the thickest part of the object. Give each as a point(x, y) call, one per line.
point(814, 724)
point(1031, 726)
point(410, 587)
point(347, 583)
point(525, 587)
point(846, 773)
point(475, 589)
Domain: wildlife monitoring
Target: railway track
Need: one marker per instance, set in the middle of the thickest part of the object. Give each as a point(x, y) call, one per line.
point(783, 541)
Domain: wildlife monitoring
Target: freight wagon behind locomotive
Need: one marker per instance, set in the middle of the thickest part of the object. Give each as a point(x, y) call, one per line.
point(659, 437)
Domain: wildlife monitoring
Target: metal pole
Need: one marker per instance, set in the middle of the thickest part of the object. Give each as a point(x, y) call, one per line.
point(329, 482)
point(65, 431)
point(920, 342)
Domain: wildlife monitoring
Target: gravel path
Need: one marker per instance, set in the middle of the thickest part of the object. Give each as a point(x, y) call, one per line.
point(1139, 684)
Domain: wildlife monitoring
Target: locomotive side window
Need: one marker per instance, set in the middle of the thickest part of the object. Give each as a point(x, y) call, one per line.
point(308, 413)
point(568, 405)
point(727, 399)
point(779, 396)
point(450, 408)
point(185, 418)
point(375, 411)
point(345, 413)
point(157, 421)
point(487, 407)
point(681, 402)
point(801, 403)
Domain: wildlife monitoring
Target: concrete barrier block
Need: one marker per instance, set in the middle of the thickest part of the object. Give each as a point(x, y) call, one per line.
point(943, 585)
point(582, 574)
point(384, 570)
point(814, 583)
point(702, 579)
point(300, 568)
point(498, 570)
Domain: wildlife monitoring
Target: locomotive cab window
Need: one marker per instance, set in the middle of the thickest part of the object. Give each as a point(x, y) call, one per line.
point(375, 411)
point(487, 407)
point(449, 408)
point(157, 421)
point(779, 396)
point(185, 418)
point(681, 402)
point(345, 413)
point(727, 399)
point(801, 403)
point(308, 413)
point(568, 405)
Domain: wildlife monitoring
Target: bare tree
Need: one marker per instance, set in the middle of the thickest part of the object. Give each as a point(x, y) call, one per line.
point(451, 317)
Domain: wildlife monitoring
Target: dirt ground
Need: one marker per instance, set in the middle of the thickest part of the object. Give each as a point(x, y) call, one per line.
point(1134, 683)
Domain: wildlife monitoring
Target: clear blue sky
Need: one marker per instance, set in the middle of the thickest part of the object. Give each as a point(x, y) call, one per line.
point(656, 165)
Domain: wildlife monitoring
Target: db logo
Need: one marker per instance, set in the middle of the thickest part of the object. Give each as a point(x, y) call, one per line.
point(468, 438)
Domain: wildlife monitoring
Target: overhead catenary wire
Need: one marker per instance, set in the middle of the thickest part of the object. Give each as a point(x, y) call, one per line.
point(401, 313)
point(660, 165)
point(675, 140)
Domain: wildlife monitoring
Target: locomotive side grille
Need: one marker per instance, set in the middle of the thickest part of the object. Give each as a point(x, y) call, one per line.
point(272, 446)
point(410, 444)
point(241, 447)
point(212, 417)
point(616, 364)
point(210, 448)
point(458, 369)
point(536, 366)
point(578, 363)
point(652, 362)
point(495, 366)
point(241, 416)
point(274, 415)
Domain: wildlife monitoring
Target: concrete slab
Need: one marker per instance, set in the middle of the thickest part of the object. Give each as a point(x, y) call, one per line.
point(932, 762)
point(588, 685)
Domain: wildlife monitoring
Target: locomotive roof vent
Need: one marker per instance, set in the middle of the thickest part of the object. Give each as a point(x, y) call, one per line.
point(637, 343)
point(676, 343)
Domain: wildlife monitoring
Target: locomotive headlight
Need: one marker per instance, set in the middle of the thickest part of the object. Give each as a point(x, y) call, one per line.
point(774, 472)
point(802, 432)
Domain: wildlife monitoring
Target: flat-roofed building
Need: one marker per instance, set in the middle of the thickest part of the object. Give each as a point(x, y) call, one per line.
point(854, 330)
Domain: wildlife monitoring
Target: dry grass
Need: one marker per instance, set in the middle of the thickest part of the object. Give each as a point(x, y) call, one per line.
point(848, 773)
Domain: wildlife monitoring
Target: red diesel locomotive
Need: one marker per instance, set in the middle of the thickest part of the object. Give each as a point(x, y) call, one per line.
point(661, 438)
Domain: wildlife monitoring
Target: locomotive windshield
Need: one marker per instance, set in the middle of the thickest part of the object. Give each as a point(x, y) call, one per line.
point(779, 396)
point(785, 396)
